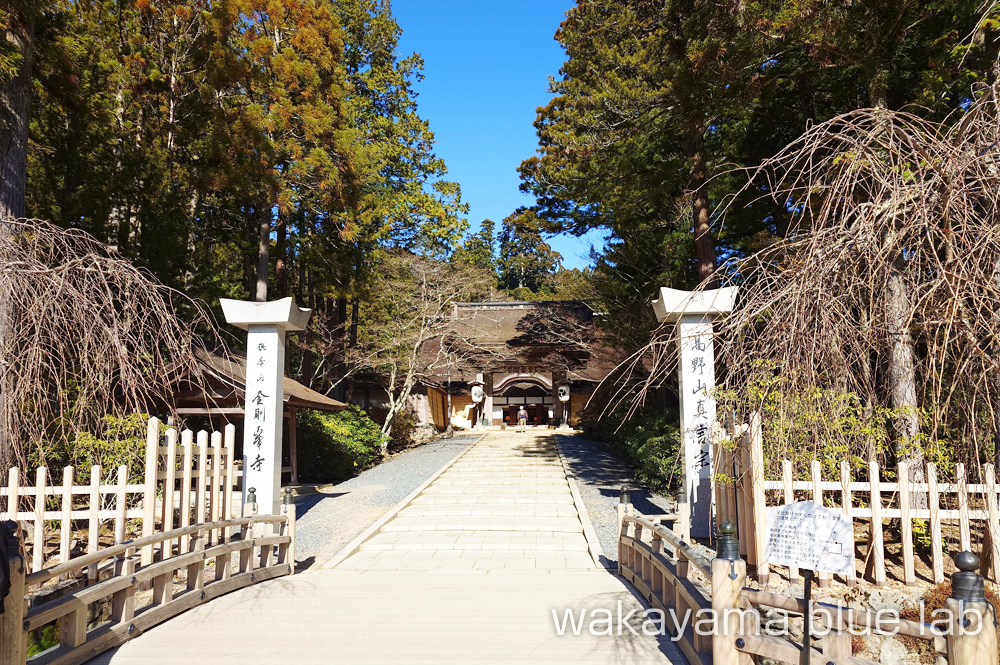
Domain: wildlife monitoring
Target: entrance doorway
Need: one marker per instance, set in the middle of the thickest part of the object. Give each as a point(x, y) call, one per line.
point(535, 398)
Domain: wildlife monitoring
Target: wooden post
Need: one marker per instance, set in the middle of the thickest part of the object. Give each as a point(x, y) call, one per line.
point(906, 526)
point(65, 526)
point(216, 492)
point(933, 498)
point(201, 494)
point(13, 494)
point(682, 527)
point(289, 554)
point(758, 504)
point(229, 438)
point(94, 530)
point(972, 637)
point(196, 570)
point(187, 445)
point(993, 516)
point(847, 506)
point(13, 639)
point(170, 472)
point(123, 601)
point(964, 533)
point(121, 503)
point(787, 480)
point(876, 542)
point(149, 490)
point(620, 510)
point(728, 578)
point(38, 537)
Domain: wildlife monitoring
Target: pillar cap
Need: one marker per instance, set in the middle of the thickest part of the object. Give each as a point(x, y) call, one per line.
point(284, 314)
point(967, 584)
point(673, 303)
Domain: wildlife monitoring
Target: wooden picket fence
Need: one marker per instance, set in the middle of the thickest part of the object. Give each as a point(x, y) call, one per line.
point(688, 586)
point(958, 502)
point(187, 482)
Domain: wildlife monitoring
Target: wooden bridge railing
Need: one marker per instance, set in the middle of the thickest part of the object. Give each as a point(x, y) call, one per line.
point(186, 556)
point(688, 587)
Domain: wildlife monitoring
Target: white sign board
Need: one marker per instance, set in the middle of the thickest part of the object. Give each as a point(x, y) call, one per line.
point(808, 536)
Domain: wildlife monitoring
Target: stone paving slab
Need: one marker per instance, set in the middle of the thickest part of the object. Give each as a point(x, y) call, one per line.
point(432, 588)
point(475, 616)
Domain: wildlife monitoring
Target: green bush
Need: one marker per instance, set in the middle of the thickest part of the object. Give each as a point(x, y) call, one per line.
point(122, 441)
point(649, 441)
point(401, 430)
point(335, 446)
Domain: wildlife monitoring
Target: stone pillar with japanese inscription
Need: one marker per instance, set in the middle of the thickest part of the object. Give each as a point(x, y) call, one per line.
point(266, 324)
point(694, 313)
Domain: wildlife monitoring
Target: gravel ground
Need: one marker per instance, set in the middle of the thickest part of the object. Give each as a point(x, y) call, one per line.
point(326, 522)
point(600, 474)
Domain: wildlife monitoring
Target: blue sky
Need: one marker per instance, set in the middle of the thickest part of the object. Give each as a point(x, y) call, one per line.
point(487, 66)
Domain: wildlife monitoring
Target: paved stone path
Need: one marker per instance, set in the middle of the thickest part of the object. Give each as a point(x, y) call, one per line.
point(472, 570)
point(504, 505)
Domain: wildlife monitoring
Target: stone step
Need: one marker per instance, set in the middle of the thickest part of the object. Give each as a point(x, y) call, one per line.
point(503, 472)
point(479, 560)
point(490, 509)
point(485, 523)
point(512, 490)
point(494, 499)
point(478, 540)
point(498, 479)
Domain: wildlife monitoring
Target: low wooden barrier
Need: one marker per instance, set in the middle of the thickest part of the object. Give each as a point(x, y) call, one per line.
point(189, 479)
point(743, 494)
point(183, 556)
point(676, 579)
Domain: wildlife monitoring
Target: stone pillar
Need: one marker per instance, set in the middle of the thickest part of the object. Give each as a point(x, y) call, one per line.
point(266, 324)
point(694, 313)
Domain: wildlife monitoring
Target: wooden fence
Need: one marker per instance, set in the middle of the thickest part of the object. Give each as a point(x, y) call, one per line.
point(688, 587)
point(189, 481)
point(189, 571)
point(938, 502)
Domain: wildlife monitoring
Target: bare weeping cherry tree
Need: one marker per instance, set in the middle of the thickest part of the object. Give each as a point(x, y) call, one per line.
point(84, 333)
point(408, 329)
point(879, 313)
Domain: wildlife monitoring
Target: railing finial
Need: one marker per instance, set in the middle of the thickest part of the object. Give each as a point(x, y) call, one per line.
point(967, 584)
point(727, 547)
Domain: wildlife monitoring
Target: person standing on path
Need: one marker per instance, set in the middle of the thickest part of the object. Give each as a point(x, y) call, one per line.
point(522, 419)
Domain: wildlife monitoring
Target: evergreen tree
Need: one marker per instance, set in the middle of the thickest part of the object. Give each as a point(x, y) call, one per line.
point(526, 261)
point(479, 249)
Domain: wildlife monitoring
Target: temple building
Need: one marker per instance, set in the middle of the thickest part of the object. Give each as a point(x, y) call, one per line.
point(544, 356)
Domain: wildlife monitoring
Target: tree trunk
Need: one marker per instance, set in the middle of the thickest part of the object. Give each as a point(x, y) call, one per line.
point(901, 377)
point(15, 105)
point(263, 250)
point(307, 352)
point(281, 265)
point(703, 241)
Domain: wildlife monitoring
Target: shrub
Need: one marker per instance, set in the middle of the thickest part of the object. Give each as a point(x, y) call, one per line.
point(404, 424)
point(335, 446)
point(122, 441)
point(649, 441)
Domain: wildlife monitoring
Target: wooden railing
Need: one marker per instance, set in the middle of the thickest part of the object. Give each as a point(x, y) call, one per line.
point(198, 557)
point(189, 479)
point(743, 494)
point(677, 579)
